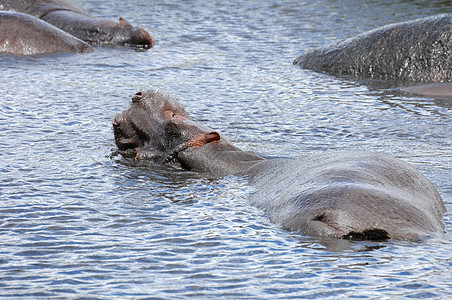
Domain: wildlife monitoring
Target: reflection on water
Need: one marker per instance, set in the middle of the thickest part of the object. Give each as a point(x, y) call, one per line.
point(77, 221)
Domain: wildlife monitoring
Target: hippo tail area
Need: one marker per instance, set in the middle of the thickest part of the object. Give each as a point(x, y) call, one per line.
point(323, 224)
point(357, 213)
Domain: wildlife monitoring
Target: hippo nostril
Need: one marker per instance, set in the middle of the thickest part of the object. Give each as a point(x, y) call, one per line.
point(137, 97)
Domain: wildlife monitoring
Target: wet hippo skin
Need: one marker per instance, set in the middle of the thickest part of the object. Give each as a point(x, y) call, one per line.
point(359, 195)
point(417, 51)
point(73, 19)
point(23, 34)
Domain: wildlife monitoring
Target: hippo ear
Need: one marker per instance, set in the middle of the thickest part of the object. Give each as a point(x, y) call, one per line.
point(138, 97)
point(124, 23)
point(211, 137)
point(204, 138)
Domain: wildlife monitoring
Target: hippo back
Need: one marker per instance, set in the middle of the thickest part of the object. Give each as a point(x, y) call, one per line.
point(348, 194)
point(417, 50)
point(39, 8)
point(24, 34)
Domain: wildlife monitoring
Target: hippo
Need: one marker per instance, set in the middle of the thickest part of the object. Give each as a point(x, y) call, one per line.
point(434, 90)
point(417, 51)
point(73, 19)
point(24, 34)
point(352, 195)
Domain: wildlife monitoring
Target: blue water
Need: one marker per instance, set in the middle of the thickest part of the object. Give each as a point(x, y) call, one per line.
point(77, 221)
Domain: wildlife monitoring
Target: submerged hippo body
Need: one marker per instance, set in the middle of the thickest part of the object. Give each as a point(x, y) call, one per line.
point(360, 195)
point(73, 19)
point(23, 34)
point(344, 195)
point(418, 50)
point(435, 90)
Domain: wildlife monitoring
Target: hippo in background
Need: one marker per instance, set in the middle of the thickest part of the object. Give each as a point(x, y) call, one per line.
point(442, 90)
point(73, 19)
point(414, 51)
point(24, 34)
point(355, 195)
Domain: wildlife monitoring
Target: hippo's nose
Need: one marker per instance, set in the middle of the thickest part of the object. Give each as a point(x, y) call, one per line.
point(149, 41)
point(141, 37)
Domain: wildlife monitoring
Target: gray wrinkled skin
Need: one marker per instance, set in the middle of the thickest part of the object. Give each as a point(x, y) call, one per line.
point(73, 19)
point(344, 194)
point(23, 34)
point(418, 50)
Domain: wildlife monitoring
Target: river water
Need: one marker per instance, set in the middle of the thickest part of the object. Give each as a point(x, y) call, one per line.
point(77, 221)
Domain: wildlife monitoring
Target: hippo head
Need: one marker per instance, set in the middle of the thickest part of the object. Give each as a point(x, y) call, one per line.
point(156, 127)
point(97, 31)
point(123, 33)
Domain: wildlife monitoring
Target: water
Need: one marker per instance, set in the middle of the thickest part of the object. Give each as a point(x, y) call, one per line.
point(77, 221)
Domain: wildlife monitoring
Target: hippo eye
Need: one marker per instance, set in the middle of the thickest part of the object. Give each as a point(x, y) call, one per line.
point(169, 114)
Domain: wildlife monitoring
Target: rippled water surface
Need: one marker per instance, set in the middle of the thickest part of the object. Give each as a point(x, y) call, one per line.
point(77, 221)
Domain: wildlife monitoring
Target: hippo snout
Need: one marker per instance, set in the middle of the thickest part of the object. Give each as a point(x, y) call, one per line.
point(142, 37)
